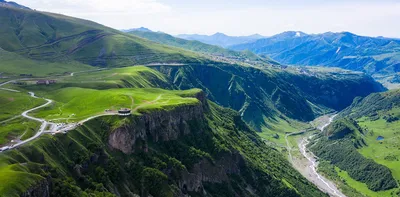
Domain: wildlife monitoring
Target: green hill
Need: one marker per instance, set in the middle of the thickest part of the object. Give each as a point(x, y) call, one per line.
point(48, 37)
point(366, 146)
point(270, 99)
point(98, 159)
point(175, 142)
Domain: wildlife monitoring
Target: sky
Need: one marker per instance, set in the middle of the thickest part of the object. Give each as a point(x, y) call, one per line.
point(235, 17)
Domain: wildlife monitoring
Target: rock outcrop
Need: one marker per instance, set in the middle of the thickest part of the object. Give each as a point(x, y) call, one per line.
point(170, 125)
point(41, 189)
point(213, 172)
point(157, 126)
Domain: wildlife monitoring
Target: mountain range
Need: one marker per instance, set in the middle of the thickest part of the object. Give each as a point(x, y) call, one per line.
point(87, 110)
point(215, 51)
point(221, 39)
point(345, 50)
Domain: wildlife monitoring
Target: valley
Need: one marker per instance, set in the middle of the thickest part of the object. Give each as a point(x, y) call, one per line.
point(88, 110)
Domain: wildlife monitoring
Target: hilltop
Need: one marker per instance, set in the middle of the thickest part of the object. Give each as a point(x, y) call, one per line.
point(47, 38)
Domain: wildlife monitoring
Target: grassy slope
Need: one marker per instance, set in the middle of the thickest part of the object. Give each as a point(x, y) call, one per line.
point(12, 105)
point(267, 98)
point(137, 76)
point(265, 169)
point(57, 42)
point(14, 64)
point(84, 103)
point(16, 179)
point(15, 103)
point(371, 114)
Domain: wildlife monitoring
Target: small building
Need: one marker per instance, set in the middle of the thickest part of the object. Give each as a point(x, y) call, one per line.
point(19, 83)
point(25, 75)
point(124, 112)
point(45, 82)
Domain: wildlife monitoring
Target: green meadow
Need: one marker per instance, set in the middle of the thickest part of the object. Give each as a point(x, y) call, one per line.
point(76, 104)
point(14, 103)
point(12, 125)
point(386, 151)
point(14, 64)
point(134, 76)
point(362, 187)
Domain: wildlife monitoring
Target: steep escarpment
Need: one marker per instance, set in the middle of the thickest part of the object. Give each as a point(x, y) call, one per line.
point(42, 188)
point(156, 126)
point(186, 150)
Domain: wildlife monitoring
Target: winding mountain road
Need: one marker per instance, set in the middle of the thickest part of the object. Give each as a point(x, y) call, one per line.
point(57, 128)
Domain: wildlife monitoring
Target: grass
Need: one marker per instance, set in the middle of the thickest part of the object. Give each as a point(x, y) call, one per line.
point(14, 103)
point(80, 103)
point(13, 64)
point(42, 43)
point(362, 187)
point(20, 127)
point(18, 179)
point(276, 130)
point(135, 76)
point(12, 125)
point(387, 151)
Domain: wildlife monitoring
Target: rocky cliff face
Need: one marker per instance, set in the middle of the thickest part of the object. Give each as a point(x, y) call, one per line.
point(212, 172)
point(158, 126)
point(170, 125)
point(42, 189)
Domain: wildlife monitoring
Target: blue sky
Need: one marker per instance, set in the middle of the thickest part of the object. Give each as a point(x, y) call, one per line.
point(236, 17)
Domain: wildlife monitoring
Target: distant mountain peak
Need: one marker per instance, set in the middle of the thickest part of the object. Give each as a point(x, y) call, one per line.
point(290, 34)
point(12, 4)
point(142, 29)
point(219, 34)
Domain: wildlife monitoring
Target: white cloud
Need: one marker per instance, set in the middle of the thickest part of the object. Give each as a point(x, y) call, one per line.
point(97, 6)
point(362, 17)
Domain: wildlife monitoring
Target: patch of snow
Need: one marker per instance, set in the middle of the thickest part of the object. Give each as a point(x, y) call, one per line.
point(298, 34)
point(337, 51)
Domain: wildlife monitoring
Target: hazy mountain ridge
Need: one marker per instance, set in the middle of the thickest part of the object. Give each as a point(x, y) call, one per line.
point(12, 4)
point(221, 39)
point(344, 50)
point(197, 46)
